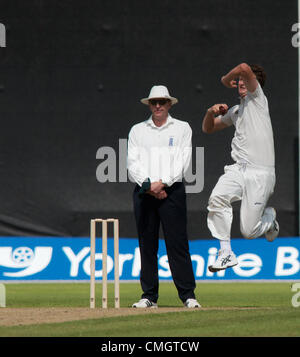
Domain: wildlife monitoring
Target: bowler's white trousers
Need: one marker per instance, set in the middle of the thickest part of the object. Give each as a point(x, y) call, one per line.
point(253, 185)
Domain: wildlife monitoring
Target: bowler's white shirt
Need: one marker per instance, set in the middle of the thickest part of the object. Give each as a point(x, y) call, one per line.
point(253, 139)
point(159, 153)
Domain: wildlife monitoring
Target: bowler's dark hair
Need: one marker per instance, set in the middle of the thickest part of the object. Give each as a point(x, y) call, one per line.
point(259, 72)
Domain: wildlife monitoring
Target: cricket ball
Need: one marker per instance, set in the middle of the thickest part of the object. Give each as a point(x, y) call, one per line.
point(222, 110)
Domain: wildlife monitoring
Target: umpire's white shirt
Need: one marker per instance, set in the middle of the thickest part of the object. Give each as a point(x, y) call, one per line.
point(159, 153)
point(253, 140)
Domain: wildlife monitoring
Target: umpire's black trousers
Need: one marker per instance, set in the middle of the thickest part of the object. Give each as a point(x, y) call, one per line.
point(171, 213)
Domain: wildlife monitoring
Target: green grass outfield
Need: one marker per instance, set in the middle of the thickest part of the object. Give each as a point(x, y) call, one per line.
point(229, 309)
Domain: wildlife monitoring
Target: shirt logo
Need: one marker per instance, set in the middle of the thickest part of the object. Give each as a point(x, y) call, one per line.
point(171, 141)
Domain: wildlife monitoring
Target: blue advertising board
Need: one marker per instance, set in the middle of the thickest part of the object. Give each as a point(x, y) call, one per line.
point(68, 259)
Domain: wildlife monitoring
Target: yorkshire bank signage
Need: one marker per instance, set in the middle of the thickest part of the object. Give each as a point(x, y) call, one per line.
point(55, 258)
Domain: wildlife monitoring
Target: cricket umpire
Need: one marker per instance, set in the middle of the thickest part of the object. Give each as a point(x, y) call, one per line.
point(159, 153)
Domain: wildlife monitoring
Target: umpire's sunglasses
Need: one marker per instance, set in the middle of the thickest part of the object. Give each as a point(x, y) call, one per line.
point(158, 101)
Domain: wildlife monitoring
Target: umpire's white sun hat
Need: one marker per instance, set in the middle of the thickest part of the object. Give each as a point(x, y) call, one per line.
point(159, 92)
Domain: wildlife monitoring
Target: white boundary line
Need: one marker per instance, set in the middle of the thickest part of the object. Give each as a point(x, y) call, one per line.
point(161, 281)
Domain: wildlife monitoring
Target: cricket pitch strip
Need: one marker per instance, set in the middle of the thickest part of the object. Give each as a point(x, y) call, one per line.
point(32, 316)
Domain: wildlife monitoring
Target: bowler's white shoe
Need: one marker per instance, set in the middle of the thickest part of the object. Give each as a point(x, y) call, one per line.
point(192, 304)
point(143, 303)
point(226, 259)
point(273, 232)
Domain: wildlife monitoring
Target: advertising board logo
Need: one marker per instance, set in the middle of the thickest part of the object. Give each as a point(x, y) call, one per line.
point(69, 259)
point(25, 260)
